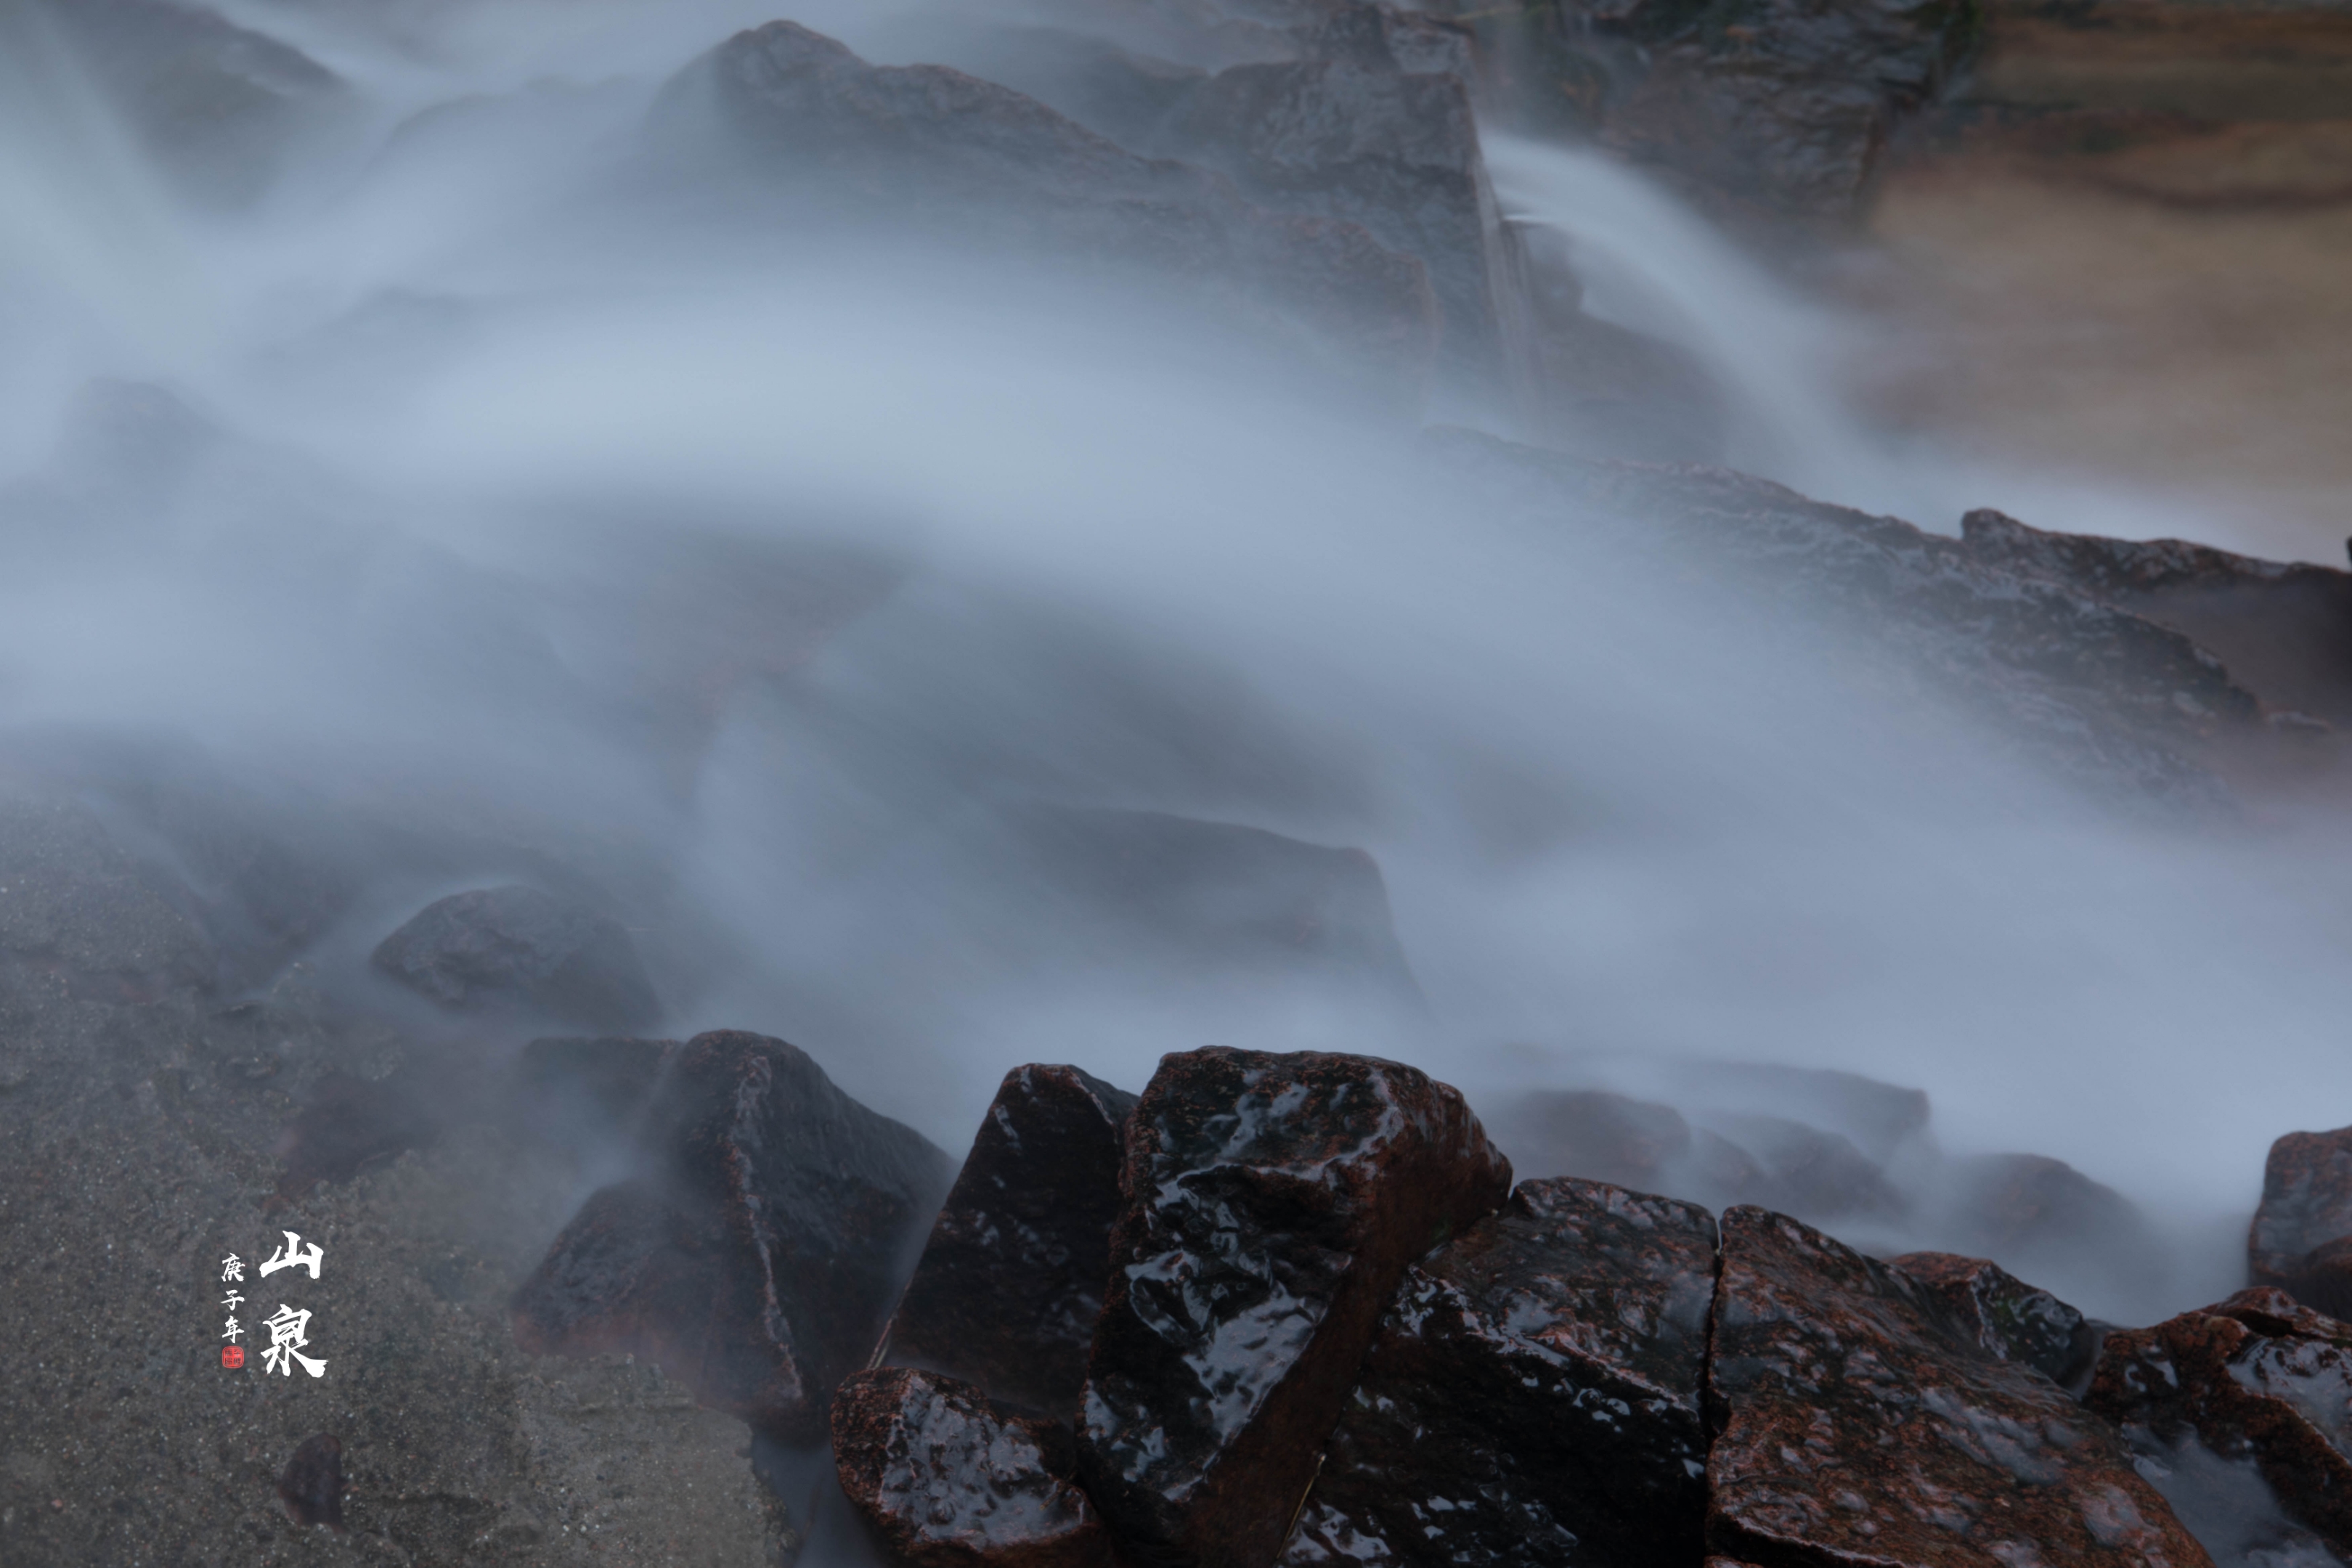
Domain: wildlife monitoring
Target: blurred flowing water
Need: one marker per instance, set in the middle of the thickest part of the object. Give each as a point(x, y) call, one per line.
point(478, 368)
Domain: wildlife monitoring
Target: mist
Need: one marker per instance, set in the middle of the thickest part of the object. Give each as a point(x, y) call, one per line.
point(425, 483)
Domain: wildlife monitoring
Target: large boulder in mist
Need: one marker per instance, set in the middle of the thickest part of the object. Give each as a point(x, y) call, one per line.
point(2241, 1413)
point(949, 1478)
point(518, 949)
point(1780, 106)
point(1211, 899)
point(1273, 1204)
point(2126, 706)
point(217, 104)
point(2284, 628)
point(1860, 1425)
point(966, 162)
point(1533, 1397)
point(2041, 1213)
point(755, 1257)
point(1009, 1285)
point(2301, 1239)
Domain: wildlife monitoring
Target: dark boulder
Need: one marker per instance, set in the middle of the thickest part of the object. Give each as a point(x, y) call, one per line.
point(974, 163)
point(2003, 1314)
point(1861, 1425)
point(2037, 1212)
point(1272, 1205)
point(2258, 1379)
point(755, 1258)
point(518, 949)
point(1804, 1171)
point(348, 1123)
point(2104, 696)
point(1011, 1282)
point(1533, 1397)
point(1598, 1136)
point(948, 1478)
point(311, 1485)
point(2296, 1242)
point(586, 1092)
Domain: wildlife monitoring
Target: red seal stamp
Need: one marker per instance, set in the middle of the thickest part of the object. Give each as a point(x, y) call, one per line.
point(232, 1355)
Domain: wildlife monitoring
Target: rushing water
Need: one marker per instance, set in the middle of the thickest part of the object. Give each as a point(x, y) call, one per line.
point(478, 367)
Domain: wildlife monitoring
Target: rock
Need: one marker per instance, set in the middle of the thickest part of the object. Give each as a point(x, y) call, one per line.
point(1272, 1205)
point(1808, 1173)
point(1533, 1397)
point(1009, 1286)
point(974, 163)
point(949, 1480)
point(586, 1092)
point(2258, 1377)
point(1364, 128)
point(2031, 1210)
point(1859, 1425)
point(757, 1256)
point(1600, 1136)
point(2113, 700)
point(217, 104)
point(1217, 896)
point(1776, 106)
point(2008, 1317)
point(2295, 1242)
point(2284, 629)
point(518, 949)
point(312, 1486)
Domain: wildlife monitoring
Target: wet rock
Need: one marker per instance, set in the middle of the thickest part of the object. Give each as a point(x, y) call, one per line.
point(1774, 106)
point(1273, 1203)
point(312, 1486)
point(2113, 700)
point(1533, 1397)
point(2306, 1211)
point(1859, 1424)
point(1218, 895)
point(2013, 1320)
point(980, 162)
point(1808, 1173)
point(518, 949)
point(948, 1479)
point(1010, 1284)
point(755, 1258)
point(2258, 1377)
point(2284, 628)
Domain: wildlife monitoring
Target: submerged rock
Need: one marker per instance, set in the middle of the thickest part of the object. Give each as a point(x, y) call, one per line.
point(949, 1480)
point(756, 1257)
point(2013, 1320)
point(1860, 1425)
point(1533, 1397)
point(2299, 1239)
point(1011, 1282)
point(2258, 1377)
point(1272, 1205)
point(519, 949)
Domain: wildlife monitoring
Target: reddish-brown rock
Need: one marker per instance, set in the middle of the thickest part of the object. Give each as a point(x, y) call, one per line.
point(1272, 1205)
point(2008, 1317)
point(2258, 1377)
point(311, 1485)
point(1011, 1282)
point(2305, 1215)
point(1860, 1425)
point(755, 1258)
point(1533, 1397)
point(949, 1480)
